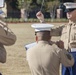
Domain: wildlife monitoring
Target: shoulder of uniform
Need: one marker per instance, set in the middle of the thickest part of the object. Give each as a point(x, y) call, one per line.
point(60, 26)
point(56, 47)
point(53, 44)
point(63, 25)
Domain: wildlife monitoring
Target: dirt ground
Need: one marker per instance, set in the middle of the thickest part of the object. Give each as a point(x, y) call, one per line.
point(16, 63)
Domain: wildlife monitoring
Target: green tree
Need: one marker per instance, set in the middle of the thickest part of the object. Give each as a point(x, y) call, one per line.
point(13, 3)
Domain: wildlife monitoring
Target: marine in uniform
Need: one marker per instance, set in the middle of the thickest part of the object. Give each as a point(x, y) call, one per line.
point(45, 57)
point(71, 33)
point(67, 32)
point(7, 37)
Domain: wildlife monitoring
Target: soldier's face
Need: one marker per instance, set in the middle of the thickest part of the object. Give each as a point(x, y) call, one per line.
point(71, 15)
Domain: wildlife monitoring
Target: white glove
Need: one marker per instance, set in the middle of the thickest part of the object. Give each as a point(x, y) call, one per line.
point(40, 16)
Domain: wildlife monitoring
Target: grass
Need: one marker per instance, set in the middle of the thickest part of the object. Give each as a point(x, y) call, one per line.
point(16, 20)
point(16, 54)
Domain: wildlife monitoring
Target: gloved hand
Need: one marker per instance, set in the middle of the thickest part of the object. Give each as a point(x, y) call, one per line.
point(40, 16)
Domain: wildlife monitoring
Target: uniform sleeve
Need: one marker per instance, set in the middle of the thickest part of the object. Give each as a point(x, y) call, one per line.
point(66, 58)
point(7, 37)
point(56, 31)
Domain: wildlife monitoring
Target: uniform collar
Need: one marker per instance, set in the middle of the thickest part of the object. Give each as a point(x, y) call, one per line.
point(46, 42)
point(43, 42)
point(72, 23)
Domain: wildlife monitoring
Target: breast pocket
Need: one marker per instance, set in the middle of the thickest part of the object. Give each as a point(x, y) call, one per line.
point(64, 34)
point(74, 34)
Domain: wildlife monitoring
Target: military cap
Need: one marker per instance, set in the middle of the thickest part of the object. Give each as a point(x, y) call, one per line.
point(70, 6)
point(42, 26)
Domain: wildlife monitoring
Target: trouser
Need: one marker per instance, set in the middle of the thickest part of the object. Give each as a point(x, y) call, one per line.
point(0, 73)
point(70, 70)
